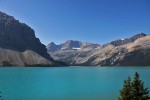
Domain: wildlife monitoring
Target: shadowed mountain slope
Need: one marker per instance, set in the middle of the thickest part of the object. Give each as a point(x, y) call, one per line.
point(19, 45)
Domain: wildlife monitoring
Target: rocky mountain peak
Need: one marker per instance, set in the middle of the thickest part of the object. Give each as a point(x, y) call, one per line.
point(71, 45)
point(19, 36)
point(127, 40)
point(51, 47)
point(138, 36)
point(5, 16)
point(52, 43)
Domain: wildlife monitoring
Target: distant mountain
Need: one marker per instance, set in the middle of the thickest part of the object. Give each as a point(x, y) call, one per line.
point(133, 54)
point(134, 51)
point(70, 45)
point(128, 40)
point(52, 47)
point(19, 46)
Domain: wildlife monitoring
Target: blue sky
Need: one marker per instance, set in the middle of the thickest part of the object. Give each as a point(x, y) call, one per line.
point(97, 21)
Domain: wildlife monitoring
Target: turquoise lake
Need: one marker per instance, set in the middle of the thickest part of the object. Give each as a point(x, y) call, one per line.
point(66, 83)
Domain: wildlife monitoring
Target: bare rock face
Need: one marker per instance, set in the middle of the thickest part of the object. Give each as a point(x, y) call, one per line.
point(19, 46)
point(137, 54)
point(133, 53)
point(26, 58)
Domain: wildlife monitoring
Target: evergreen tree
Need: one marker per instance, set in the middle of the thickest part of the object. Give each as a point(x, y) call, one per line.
point(138, 90)
point(125, 93)
point(0, 97)
point(134, 90)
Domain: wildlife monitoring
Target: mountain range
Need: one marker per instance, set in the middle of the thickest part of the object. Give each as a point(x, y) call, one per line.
point(133, 51)
point(20, 47)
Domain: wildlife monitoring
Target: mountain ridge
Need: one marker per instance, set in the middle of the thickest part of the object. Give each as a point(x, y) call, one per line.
point(122, 54)
point(119, 42)
point(70, 44)
point(52, 47)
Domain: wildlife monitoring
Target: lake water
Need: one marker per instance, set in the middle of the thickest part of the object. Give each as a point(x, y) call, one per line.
point(66, 83)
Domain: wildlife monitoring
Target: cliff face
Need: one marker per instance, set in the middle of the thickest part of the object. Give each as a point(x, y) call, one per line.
point(17, 38)
point(132, 53)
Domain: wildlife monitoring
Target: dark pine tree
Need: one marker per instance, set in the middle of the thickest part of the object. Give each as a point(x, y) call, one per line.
point(125, 93)
point(0, 96)
point(138, 91)
point(134, 90)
